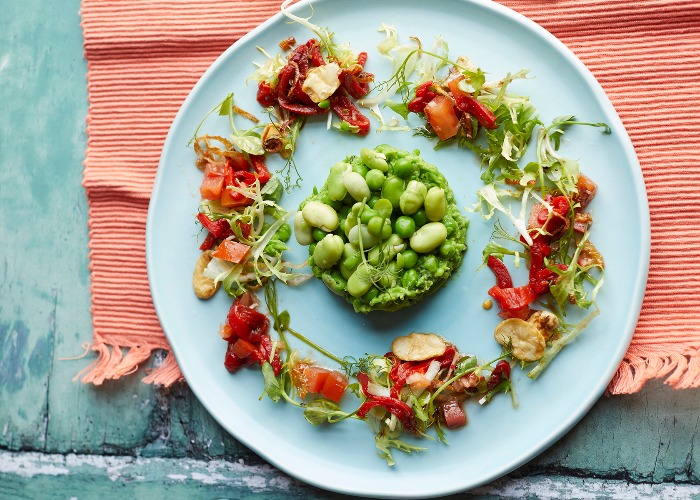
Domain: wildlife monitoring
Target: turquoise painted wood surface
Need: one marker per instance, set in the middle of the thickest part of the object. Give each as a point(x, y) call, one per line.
point(60, 438)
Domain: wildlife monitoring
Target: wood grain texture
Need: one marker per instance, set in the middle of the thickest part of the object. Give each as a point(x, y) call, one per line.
point(60, 438)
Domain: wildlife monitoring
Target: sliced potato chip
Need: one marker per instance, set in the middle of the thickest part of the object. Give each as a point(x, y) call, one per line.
point(418, 346)
point(524, 338)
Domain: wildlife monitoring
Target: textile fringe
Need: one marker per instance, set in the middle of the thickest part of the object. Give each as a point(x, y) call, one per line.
point(681, 370)
point(113, 363)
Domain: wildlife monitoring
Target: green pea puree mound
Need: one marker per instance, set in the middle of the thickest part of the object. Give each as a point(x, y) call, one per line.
point(384, 231)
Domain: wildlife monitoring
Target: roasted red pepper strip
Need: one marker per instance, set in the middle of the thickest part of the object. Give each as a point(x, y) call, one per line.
point(503, 279)
point(315, 55)
point(362, 59)
point(346, 110)
point(260, 168)
point(500, 373)
point(465, 102)
point(513, 299)
point(208, 242)
point(353, 87)
point(266, 95)
point(423, 96)
point(394, 406)
point(284, 100)
point(219, 228)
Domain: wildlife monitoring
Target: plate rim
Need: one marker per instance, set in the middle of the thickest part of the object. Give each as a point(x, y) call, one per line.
point(631, 319)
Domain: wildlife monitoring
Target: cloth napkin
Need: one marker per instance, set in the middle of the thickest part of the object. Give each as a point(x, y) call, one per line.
point(144, 56)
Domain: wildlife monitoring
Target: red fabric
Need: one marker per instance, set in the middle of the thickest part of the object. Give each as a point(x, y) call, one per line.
point(145, 55)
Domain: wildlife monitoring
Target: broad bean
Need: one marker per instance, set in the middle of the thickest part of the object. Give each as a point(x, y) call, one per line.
point(431, 264)
point(367, 214)
point(320, 215)
point(379, 227)
point(359, 282)
point(336, 187)
point(370, 295)
point(335, 282)
point(328, 251)
point(360, 232)
point(302, 231)
point(356, 186)
point(412, 199)
point(374, 159)
point(435, 204)
point(383, 207)
point(410, 278)
point(284, 232)
point(429, 237)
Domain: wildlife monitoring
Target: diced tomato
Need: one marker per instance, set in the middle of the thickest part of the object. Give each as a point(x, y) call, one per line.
point(586, 190)
point(237, 162)
point(247, 323)
point(522, 313)
point(230, 200)
point(334, 387)
point(231, 251)
point(211, 187)
point(231, 362)
point(315, 378)
point(442, 117)
point(242, 348)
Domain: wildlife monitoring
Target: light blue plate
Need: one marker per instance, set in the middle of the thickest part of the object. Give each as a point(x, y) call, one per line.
point(498, 438)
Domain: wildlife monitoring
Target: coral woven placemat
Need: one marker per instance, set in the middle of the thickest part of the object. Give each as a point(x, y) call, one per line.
point(144, 56)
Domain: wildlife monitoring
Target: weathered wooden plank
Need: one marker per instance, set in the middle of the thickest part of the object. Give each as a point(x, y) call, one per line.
point(32, 475)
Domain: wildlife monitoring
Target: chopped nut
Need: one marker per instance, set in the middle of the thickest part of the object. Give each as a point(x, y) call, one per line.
point(545, 321)
point(590, 256)
point(204, 287)
point(524, 338)
point(418, 346)
point(488, 304)
point(287, 43)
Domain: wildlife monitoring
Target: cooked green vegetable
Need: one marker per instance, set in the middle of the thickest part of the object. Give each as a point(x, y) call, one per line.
point(393, 237)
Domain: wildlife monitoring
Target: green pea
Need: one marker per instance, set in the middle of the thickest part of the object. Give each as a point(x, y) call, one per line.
point(431, 264)
point(379, 226)
point(410, 258)
point(374, 159)
point(420, 218)
point(373, 200)
point(371, 295)
point(359, 283)
point(334, 184)
point(312, 248)
point(335, 282)
point(411, 200)
point(405, 226)
point(404, 167)
point(317, 234)
point(344, 211)
point(324, 103)
point(367, 214)
point(392, 189)
point(410, 278)
point(435, 204)
point(428, 237)
point(284, 232)
point(383, 207)
point(352, 261)
point(375, 179)
point(447, 248)
point(328, 251)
